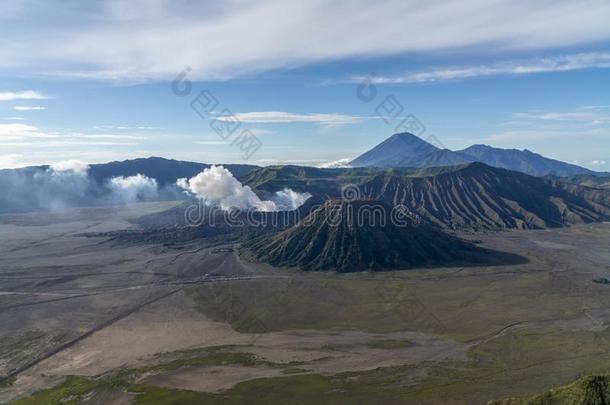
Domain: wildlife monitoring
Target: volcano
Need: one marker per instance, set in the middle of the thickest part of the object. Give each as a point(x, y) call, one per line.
point(348, 236)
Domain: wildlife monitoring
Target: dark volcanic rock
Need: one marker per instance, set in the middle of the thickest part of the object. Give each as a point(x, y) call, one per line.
point(362, 235)
point(477, 196)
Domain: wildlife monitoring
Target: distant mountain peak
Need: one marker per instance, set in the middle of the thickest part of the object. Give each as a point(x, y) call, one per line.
point(408, 150)
point(406, 136)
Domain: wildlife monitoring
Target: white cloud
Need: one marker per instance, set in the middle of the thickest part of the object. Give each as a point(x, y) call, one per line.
point(211, 143)
point(123, 127)
point(597, 162)
point(28, 108)
point(591, 117)
point(25, 135)
point(35, 157)
point(134, 188)
point(109, 136)
point(14, 118)
point(11, 160)
point(22, 95)
point(288, 199)
point(16, 128)
point(336, 164)
point(585, 122)
point(60, 143)
point(217, 186)
point(73, 165)
point(594, 107)
point(131, 40)
point(12, 132)
point(541, 65)
point(281, 117)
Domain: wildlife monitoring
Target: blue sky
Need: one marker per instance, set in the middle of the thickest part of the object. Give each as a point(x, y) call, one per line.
point(92, 80)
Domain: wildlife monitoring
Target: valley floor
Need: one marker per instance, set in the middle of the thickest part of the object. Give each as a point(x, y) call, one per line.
point(143, 323)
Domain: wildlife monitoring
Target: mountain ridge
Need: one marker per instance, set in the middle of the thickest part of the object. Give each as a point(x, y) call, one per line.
point(472, 195)
point(408, 150)
point(524, 161)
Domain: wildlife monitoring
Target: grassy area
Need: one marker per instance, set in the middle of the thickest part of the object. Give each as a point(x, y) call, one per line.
point(72, 391)
point(430, 301)
point(316, 302)
point(517, 364)
point(292, 390)
point(213, 359)
point(6, 382)
point(589, 390)
point(20, 348)
point(76, 389)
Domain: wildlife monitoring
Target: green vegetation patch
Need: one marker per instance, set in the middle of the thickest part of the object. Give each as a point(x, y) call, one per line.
point(6, 382)
point(72, 391)
point(316, 302)
point(589, 390)
point(517, 364)
point(212, 359)
point(514, 364)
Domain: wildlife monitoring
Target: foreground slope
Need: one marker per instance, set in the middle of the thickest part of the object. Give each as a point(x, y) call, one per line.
point(590, 390)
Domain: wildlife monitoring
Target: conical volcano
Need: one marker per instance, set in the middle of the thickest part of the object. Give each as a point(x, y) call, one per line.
point(359, 235)
point(408, 150)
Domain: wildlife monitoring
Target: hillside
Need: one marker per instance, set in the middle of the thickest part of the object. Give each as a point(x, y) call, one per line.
point(165, 171)
point(361, 235)
point(477, 196)
point(523, 161)
point(473, 196)
point(589, 180)
point(590, 390)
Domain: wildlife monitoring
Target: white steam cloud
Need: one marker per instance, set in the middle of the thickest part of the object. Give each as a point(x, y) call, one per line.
point(72, 183)
point(217, 186)
point(288, 199)
point(74, 166)
point(134, 188)
point(341, 163)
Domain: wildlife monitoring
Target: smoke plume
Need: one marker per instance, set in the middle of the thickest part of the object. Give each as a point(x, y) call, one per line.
point(134, 188)
point(69, 184)
point(217, 186)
